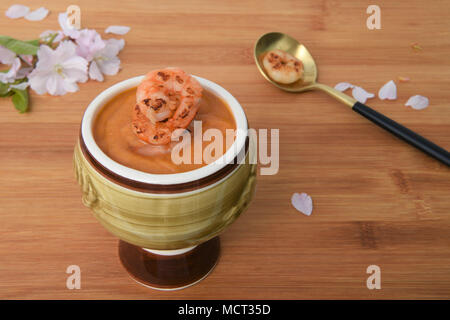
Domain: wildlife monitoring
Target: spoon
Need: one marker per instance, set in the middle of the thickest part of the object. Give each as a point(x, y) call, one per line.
point(275, 40)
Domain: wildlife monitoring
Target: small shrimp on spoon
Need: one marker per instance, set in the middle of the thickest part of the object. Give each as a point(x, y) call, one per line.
point(282, 67)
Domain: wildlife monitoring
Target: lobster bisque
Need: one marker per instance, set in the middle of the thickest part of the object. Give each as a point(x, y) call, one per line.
point(114, 135)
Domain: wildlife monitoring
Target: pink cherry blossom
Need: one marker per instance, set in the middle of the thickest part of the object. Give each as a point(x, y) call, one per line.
point(106, 61)
point(58, 71)
point(89, 43)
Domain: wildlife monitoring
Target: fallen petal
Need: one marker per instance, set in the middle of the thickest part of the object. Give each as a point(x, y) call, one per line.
point(418, 102)
point(17, 11)
point(388, 91)
point(302, 202)
point(342, 86)
point(120, 30)
point(403, 79)
point(37, 15)
point(361, 95)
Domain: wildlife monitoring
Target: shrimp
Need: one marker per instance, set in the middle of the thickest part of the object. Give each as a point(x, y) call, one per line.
point(282, 67)
point(166, 100)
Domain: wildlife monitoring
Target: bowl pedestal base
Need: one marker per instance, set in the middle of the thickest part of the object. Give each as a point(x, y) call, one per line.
point(169, 269)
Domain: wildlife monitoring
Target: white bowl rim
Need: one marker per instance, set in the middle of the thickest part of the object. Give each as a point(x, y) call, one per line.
point(162, 179)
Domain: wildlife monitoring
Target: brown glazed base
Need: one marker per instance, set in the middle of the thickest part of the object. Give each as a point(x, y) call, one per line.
point(169, 272)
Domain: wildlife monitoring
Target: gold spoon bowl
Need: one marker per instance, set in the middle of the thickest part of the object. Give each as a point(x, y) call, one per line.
point(275, 40)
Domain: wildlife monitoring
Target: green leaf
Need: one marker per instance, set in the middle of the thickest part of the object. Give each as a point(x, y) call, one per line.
point(7, 94)
point(34, 42)
point(20, 100)
point(4, 89)
point(18, 46)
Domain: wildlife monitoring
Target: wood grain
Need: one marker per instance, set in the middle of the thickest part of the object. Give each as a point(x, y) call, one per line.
point(376, 200)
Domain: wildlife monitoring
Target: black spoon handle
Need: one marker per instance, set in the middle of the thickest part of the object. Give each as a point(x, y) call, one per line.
point(403, 133)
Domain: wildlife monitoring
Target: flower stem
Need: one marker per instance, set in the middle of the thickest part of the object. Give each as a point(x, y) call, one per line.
point(50, 41)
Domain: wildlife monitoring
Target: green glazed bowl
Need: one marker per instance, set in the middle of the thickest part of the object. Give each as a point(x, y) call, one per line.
point(165, 211)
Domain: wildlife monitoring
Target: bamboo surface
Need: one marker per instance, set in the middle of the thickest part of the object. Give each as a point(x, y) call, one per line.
point(376, 199)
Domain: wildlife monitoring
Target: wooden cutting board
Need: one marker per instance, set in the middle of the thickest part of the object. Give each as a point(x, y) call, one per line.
point(377, 201)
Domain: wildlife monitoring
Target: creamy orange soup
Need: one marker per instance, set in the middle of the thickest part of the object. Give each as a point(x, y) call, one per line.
point(113, 134)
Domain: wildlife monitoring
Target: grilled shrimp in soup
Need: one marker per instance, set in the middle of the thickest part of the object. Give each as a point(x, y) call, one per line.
point(166, 100)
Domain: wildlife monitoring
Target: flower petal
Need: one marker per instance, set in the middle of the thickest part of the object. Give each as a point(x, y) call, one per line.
point(113, 47)
point(89, 43)
point(65, 50)
point(388, 91)
point(23, 72)
point(342, 86)
point(110, 66)
point(11, 74)
point(28, 58)
point(6, 55)
point(16, 65)
point(17, 11)
point(120, 43)
point(55, 85)
point(37, 15)
point(120, 30)
point(106, 60)
point(361, 95)
point(75, 69)
point(45, 58)
point(302, 202)
point(20, 86)
point(418, 102)
point(70, 86)
point(94, 72)
point(38, 81)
